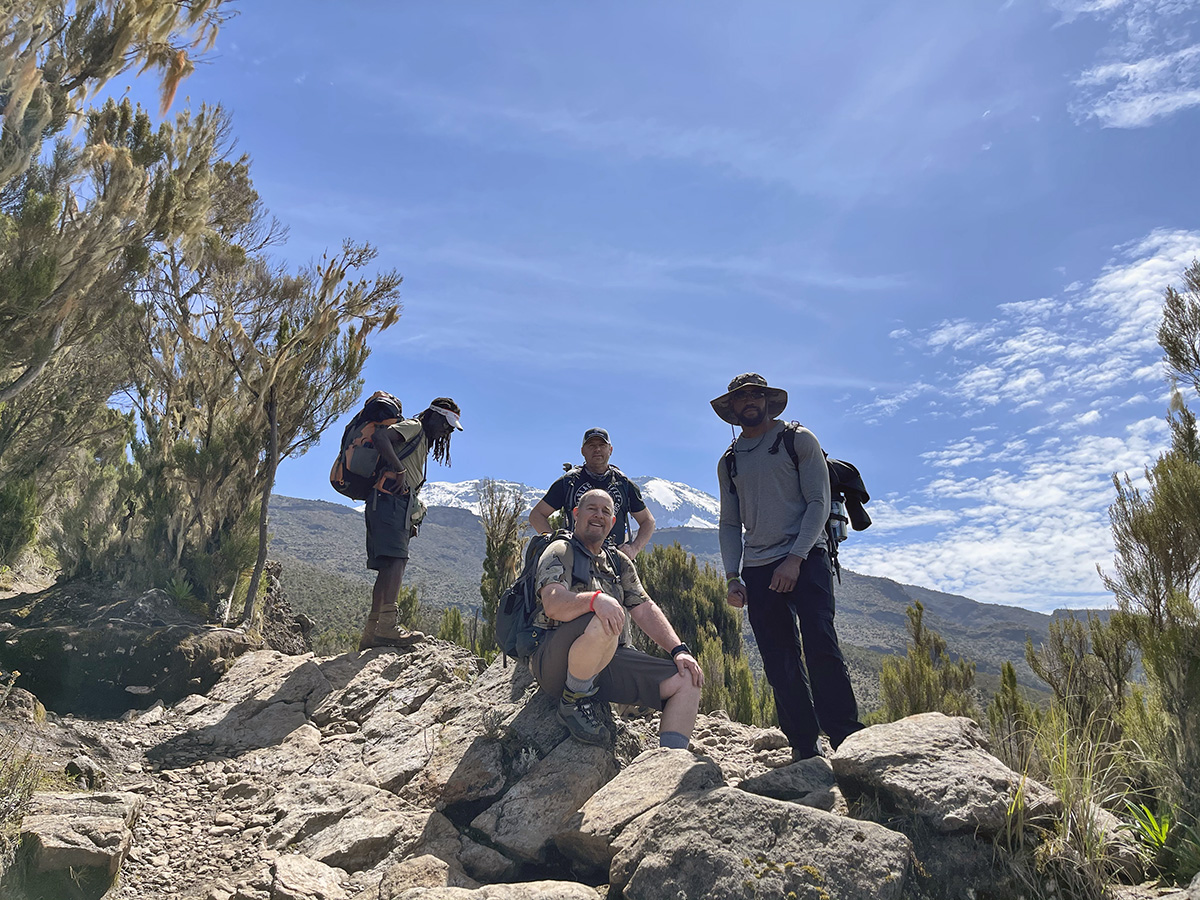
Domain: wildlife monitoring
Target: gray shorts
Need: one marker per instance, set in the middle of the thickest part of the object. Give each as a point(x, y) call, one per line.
point(631, 677)
point(387, 527)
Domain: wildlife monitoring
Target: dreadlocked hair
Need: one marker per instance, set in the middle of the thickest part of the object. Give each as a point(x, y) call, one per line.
point(438, 429)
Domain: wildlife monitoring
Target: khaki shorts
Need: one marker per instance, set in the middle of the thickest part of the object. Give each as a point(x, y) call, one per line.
point(631, 677)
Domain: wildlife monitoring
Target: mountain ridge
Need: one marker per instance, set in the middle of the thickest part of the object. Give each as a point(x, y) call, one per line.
point(322, 546)
point(672, 503)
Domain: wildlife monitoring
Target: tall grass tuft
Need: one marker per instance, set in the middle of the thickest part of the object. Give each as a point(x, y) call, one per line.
point(19, 776)
point(1082, 855)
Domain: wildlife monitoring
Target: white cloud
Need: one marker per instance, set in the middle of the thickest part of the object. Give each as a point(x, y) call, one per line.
point(1154, 66)
point(1076, 386)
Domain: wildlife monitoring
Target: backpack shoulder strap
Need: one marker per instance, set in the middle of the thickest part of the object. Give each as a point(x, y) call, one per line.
point(788, 436)
point(730, 461)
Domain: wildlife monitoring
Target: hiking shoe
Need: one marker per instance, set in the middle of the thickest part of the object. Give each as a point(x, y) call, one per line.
point(582, 720)
point(395, 637)
point(367, 641)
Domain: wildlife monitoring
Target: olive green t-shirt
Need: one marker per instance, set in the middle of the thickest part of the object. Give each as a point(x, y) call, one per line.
point(413, 463)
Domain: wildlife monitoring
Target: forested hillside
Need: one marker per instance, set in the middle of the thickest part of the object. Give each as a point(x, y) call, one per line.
point(322, 547)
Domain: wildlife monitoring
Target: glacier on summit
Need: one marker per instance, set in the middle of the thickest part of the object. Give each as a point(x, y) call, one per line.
point(672, 503)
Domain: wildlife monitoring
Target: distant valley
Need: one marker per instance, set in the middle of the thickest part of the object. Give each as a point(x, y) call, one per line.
point(322, 546)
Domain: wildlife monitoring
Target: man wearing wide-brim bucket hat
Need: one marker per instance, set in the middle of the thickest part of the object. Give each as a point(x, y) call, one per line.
point(780, 569)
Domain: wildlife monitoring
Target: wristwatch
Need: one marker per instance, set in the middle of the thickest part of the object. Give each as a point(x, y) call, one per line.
point(682, 648)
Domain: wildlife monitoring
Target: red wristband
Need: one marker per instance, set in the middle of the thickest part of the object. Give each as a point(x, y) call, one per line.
point(592, 605)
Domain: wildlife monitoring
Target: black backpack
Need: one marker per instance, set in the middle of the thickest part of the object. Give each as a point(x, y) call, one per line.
point(516, 635)
point(354, 470)
point(572, 476)
point(846, 491)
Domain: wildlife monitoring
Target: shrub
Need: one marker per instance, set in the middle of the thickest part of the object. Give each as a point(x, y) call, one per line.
point(19, 511)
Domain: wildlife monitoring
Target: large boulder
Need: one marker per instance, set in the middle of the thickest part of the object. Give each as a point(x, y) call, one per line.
point(937, 768)
point(809, 781)
point(649, 781)
point(931, 777)
point(726, 844)
point(354, 826)
point(525, 821)
point(72, 845)
point(529, 890)
point(91, 651)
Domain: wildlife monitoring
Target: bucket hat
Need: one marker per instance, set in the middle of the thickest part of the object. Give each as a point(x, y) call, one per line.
point(776, 397)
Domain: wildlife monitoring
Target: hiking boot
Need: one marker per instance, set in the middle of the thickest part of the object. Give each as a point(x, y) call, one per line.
point(582, 719)
point(367, 641)
point(393, 636)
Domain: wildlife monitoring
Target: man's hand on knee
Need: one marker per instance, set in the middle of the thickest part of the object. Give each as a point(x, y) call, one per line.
point(689, 668)
point(610, 613)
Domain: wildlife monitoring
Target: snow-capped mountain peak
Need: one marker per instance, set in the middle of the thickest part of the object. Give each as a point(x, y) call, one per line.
point(673, 503)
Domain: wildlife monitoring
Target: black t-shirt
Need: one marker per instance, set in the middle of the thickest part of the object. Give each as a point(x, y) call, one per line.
point(564, 494)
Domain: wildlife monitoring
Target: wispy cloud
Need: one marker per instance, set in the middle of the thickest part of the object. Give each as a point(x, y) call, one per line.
point(1024, 520)
point(1153, 70)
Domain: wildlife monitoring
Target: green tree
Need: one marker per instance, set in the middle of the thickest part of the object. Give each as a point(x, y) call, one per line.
point(18, 518)
point(1087, 668)
point(500, 511)
point(1012, 721)
point(1156, 538)
point(298, 345)
point(926, 679)
point(452, 628)
point(407, 606)
point(237, 363)
point(693, 599)
point(54, 55)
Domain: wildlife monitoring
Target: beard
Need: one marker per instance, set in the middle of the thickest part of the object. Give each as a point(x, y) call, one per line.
point(751, 416)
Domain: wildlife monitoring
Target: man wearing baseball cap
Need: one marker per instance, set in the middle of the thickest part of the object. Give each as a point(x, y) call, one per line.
point(781, 569)
point(596, 472)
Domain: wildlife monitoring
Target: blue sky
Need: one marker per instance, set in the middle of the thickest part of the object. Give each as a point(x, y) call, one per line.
point(944, 227)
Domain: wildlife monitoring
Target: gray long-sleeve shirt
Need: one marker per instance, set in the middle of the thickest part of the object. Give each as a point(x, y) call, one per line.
point(783, 509)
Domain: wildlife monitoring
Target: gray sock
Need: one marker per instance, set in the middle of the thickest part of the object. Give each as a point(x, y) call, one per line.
point(579, 685)
point(673, 739)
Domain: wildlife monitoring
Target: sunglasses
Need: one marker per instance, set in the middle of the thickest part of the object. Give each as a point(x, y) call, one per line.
point(750, 394)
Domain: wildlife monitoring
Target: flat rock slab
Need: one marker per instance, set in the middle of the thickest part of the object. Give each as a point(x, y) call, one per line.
point(727, 844)
point(529, 890)
point(938, 768)
point(68, 831)
point(524, 822)
point(649, 781)
point(297, 877)
point(809, 781)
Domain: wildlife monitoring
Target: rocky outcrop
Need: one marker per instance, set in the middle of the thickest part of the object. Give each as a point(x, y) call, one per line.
point(89, 650)
point(938, 768)
point(421, 773)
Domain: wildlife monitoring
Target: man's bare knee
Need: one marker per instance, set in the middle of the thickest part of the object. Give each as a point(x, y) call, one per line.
point(596, 635)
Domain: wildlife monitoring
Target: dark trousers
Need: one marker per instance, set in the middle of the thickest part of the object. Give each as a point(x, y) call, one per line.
point(829, 704)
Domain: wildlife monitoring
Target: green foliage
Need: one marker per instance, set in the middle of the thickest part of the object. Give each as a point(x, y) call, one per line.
point(180, 591)
point(1012, 722)
point(1151, 830)
point(1156, 535)
point(451, 627)
point(407, 606)
point(19, 775)
point(926, 679)
point(18, 517)
point(500, 514)
point(693, 600)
